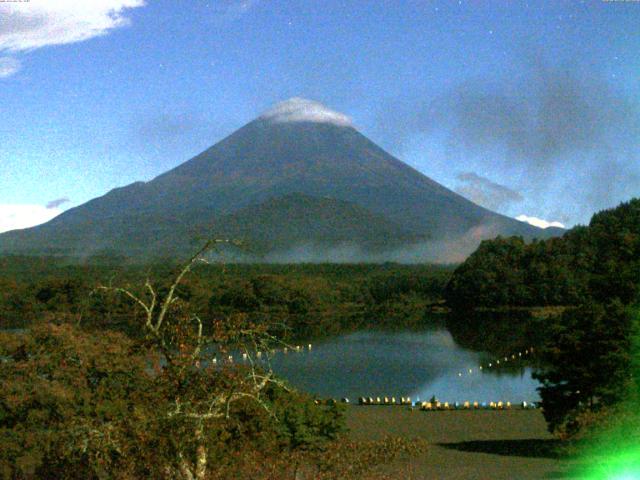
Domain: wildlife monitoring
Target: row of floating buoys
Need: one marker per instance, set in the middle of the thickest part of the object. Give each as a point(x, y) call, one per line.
point(430, 406)
point(384, 401)
point(331, 401)
point(437, 405)
point(468, 406)
point(228, 358)
point(495, 364)
point(258, 354)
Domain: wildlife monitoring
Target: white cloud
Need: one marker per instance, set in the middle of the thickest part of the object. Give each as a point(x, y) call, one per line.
point(539, 222)
point(302, 110)
point(14, 216)
point(39, 23)
point(8, 66)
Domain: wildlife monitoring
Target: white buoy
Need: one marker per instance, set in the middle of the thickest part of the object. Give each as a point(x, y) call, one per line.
point(309, 346)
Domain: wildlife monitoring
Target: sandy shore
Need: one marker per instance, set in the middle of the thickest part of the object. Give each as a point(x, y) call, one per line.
point(494, 445)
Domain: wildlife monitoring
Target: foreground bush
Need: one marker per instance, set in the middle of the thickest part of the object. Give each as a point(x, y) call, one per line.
point(96, 404)
point(101, 405)
point(80, 405)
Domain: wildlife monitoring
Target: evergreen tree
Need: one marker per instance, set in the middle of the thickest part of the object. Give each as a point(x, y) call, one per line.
point(586, 363)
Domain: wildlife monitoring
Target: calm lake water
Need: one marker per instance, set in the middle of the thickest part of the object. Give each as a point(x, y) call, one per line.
point(403, 363)
point(418, 364)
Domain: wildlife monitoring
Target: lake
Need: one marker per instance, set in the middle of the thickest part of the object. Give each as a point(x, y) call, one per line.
point(406, 363)
point(412, 363)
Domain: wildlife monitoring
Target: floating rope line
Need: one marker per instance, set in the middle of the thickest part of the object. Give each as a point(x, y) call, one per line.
point(513, 356)
point(259, 354)
point(437, 405)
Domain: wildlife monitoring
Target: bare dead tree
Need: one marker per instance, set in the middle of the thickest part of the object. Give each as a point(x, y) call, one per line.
point(182, 343)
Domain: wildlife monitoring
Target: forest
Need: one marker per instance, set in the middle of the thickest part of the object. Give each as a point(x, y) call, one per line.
point(597, 262)
point(304, 300)
point(591, 276)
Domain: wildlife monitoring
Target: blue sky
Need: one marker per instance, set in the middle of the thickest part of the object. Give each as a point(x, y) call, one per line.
point(525, 107)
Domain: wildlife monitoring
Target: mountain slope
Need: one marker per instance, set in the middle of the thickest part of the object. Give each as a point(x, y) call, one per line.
point(284, 222)
point(298, 147)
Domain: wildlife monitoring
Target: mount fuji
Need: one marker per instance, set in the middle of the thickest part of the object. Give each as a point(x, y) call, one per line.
point(299, 178)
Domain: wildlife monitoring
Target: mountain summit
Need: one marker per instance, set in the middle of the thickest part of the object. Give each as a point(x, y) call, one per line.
point(298, 109)
point(297, 157)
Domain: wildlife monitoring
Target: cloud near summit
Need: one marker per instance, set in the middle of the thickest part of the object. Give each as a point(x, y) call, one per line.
point(302, 110)
point(39, 23)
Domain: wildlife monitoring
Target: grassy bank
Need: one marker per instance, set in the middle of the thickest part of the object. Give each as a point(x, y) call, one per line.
point(483, 444)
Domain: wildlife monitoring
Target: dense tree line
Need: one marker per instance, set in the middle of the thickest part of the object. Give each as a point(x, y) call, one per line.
point(593, 271)
point(305, 300)
point(597, 262)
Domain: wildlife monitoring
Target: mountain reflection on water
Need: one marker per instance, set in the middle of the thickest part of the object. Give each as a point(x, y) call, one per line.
point(403, 363)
